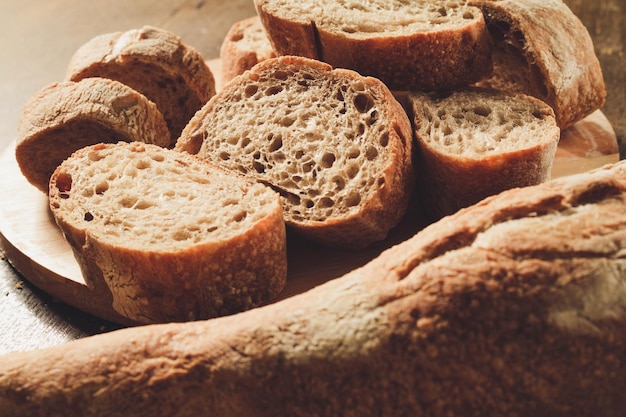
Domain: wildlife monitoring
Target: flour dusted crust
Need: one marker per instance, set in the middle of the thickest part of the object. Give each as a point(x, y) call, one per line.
point(514, 306)
point(63, 117)
point(336, 145)
point(473, 143)
point(543, 49)
point(245, 45)
point(156, 63)
point(408, 45)
point(169, 236)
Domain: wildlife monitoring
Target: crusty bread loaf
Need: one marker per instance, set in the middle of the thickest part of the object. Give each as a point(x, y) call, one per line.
point(407, 45)
point(543, 49)
point(172, 236)
point(156, 63)
point(245, 45)
point(512, 307)
point(337, 146)
point(64, 117)
point(473, 143)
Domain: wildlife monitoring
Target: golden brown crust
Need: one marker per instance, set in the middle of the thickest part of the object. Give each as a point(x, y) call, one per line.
point(435, 59)
point(553, 49)
point(154, 62)
point(64, 117)
point(514, 306)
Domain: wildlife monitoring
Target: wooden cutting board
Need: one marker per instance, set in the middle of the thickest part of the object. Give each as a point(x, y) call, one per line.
point(36, 248)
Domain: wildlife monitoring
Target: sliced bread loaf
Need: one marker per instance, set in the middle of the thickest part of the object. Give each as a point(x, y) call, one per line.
point(408, 45)
point(64, 117)
point(542, 49)
point(336, 145)
point(171, 236)
point(245, 45)
point(154, 62)
point(473, 143)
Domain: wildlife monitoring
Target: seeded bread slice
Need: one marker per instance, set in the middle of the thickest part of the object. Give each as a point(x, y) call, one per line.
point(156, 63)
point(337, 146)
point(408, 45)
point(474, 143)
point(543, 49)
point(171, 236)
point(245, 45)
point(64, 117)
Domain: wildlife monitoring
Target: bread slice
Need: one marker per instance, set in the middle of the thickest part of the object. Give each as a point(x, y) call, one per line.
point(172, 236)
point(512, 307)
point(408, 45)
point(474, 143)
point(337, 146)
point(542, 49)
point(156, 63)
point(245, 45)
point(64, 117)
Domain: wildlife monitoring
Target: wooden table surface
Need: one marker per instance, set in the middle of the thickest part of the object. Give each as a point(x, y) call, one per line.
point(40, 36)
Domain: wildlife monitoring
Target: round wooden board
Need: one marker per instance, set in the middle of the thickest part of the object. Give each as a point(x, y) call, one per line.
point(36, 248)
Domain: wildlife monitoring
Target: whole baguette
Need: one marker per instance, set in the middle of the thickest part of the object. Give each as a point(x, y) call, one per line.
point(511, 307)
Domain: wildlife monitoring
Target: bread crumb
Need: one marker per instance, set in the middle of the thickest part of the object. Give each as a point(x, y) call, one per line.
point(19, 285)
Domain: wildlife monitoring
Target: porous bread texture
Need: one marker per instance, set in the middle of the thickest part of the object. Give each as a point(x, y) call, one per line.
point(171, 236)
point(156, 63)
point(541, 48)
point(63, 117)
point(337, 146)
point(512, 307)
point(245, 45)
point(408, 45)
point(473, 143)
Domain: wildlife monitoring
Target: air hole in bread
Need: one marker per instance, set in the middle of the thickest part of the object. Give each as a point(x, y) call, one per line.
point(326, 202)
point(352, 170)
point(384, 140)
point(181, 235)
point(482, 111)
point(339, 182)
point(258, 167)
point(273, 90)
point(142, 164)
point(371, 153)
point(128, 201)
point(363, 102)
point(64, 182)
point(224, 156)
point(88, 217)
point(102, 187)
point(353, 200)
point(328, 159)
point(468, 15)
point(276, 143)
point(240, 216)
point(251, 90)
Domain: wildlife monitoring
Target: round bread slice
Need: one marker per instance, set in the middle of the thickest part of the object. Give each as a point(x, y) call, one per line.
point(245, 45)
point(154, 62)
point(336, 145)
point(474, 143)
point(64, 117)
point(170, 236)
point(410, 45)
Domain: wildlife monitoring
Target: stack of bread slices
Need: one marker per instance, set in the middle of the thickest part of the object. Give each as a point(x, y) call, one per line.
point(344, 113)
